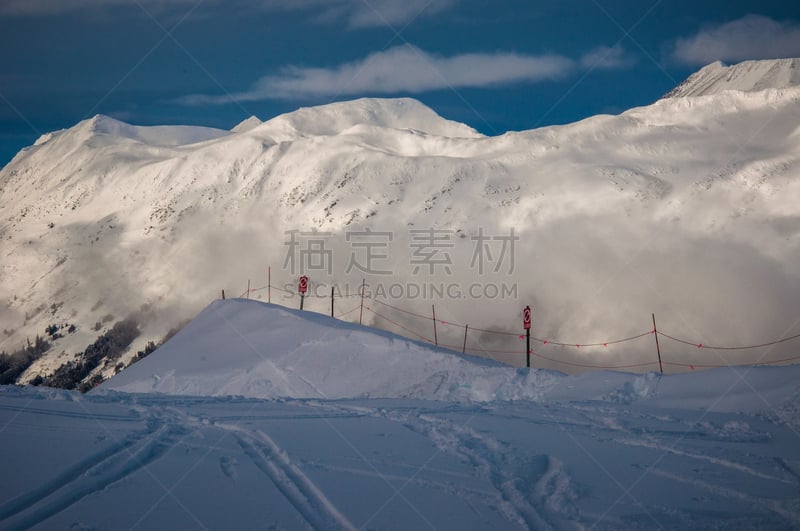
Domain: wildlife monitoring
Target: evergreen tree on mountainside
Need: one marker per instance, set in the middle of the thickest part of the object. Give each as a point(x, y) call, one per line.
point(110, 346)
point(14, 364)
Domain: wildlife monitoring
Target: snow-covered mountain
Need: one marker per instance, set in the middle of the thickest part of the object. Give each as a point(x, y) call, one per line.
point(748, 76)
point(687, 208)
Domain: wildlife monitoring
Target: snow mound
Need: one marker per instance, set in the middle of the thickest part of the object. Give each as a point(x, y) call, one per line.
point(334, 118)
point(726, 389)
point(748, 76)
point(248, 348)
point(156, 135)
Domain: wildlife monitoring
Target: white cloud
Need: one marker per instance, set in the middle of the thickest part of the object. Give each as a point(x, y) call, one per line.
point(607, 58)
point(354, 13)
point(357, 13)
point(57, 7)
point(403, 69)
point(392, 12)
point(750, 37)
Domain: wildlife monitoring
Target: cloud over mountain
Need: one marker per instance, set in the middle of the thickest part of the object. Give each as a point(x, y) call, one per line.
point(750, 37)
point(402, 69)
point(607, 58)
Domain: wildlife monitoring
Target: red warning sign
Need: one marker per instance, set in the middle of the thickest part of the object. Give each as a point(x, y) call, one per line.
point(303, 284)
point(526, 318)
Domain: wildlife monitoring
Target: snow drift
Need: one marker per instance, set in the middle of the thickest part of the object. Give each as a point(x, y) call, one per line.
point(248, 348)
point(253, 349)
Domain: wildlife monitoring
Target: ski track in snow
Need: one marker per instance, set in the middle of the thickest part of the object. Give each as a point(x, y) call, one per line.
point(789, 513)
point(304, 495)
point(90, 475)
point(602, 419)
point(640, 438)
point(530, 487)
point(530, 503)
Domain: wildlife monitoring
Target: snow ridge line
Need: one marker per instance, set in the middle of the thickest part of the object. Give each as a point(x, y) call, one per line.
point(86, 477)
point(304, 495)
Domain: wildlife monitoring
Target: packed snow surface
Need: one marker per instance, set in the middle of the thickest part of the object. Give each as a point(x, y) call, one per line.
point(717, 449)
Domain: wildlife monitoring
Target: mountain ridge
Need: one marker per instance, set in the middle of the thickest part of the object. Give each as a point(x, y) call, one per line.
point(747, 76)
point(94, 223)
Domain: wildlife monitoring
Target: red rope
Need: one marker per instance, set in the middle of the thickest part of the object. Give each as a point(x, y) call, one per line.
point(540, 340)
point(339, 316)
point(479, 350)
point(258, 289)
point(402, 310)
point(603, 344)
point(494, 331)
point(700, 345)
point(716, 366)
point(281, 289)
point(398, 325)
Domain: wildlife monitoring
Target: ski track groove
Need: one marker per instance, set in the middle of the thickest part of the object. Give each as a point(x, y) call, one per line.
point(774, 505)
point(72, 414)
point(488, 456)
point(299, 490)
point(88, 476)
point(784, 465)
point(700, 457)
point(644, 440)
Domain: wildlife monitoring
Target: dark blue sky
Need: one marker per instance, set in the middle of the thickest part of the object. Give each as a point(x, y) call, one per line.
point(497, 66)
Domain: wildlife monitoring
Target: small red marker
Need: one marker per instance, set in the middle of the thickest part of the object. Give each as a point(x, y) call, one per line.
point(545, 342)
point(522, 337)
point(700, 345)
point(605, 344)
point(692, 366)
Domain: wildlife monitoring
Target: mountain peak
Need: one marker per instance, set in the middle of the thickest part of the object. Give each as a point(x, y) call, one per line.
point(246, 125)
point(393, 113)
point(153, 135)
point(748, 76)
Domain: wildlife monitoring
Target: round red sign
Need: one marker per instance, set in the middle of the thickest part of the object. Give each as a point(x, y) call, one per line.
point(303, 284)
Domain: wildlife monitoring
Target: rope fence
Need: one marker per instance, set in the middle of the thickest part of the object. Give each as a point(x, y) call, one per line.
point(479, 350)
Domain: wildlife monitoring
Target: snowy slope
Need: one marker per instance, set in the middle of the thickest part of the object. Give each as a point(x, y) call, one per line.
point(747, 76)
point(249, 348)
point(714, 450)
point(258, 350)
point(686, 208)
